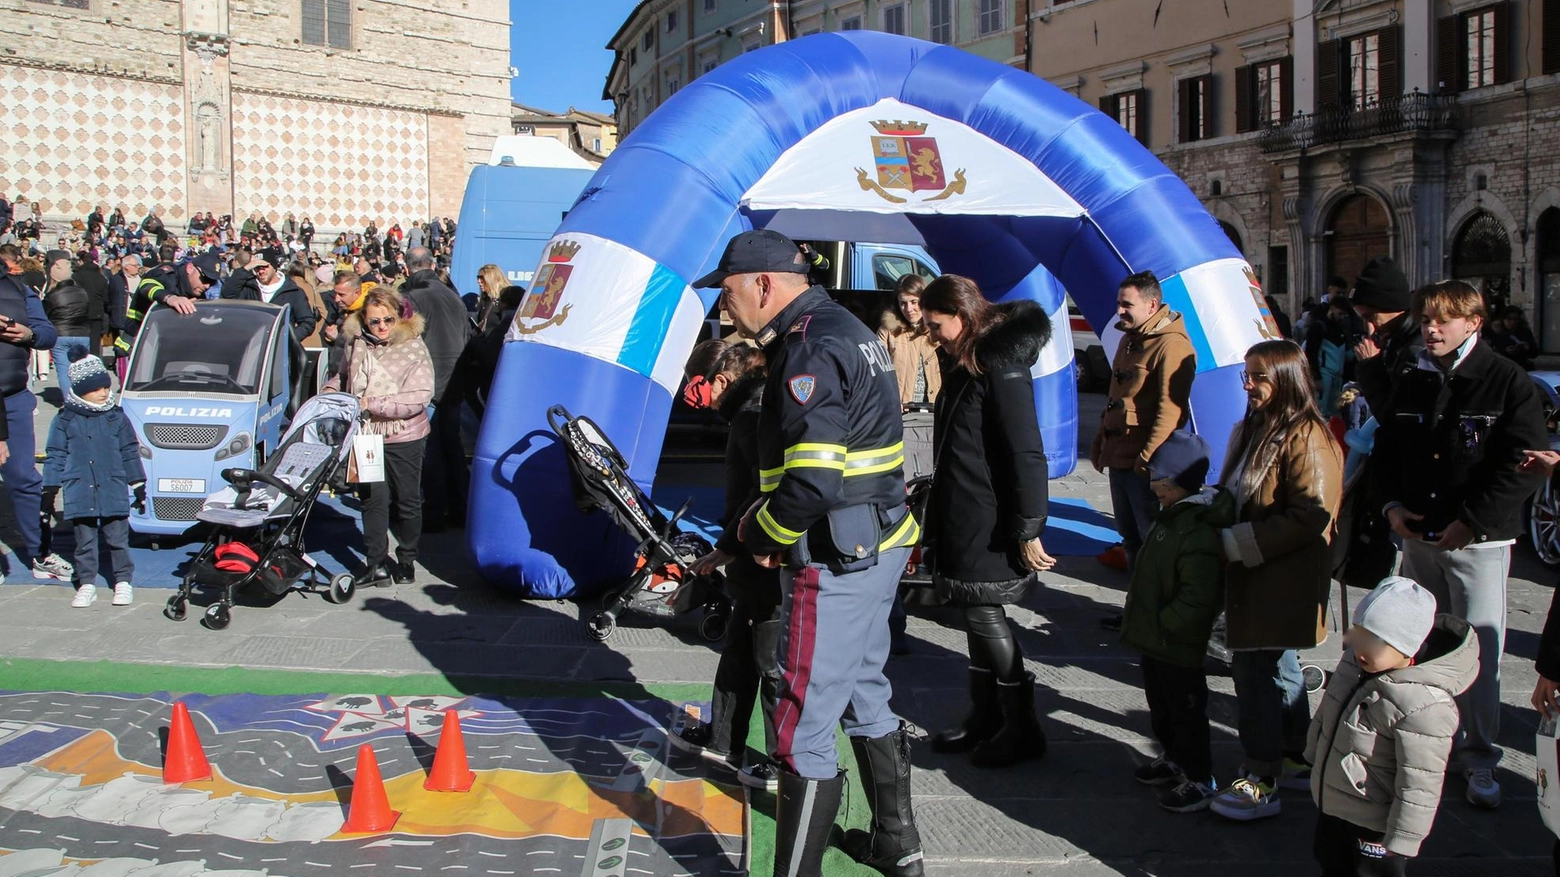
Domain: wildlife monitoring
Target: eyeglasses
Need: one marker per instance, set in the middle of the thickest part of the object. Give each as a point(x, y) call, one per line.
point(381, 321)
point(1252, 377)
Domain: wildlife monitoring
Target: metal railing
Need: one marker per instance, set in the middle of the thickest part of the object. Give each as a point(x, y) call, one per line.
point(1415, 112)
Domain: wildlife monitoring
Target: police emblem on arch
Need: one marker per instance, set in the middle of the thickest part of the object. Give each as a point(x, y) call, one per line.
point(802, 387)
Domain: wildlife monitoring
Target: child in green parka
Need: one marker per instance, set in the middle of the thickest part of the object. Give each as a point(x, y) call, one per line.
point(1176, 593)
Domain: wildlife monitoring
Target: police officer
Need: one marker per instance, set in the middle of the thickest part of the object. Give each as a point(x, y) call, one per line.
point(158, 286)
point(832, 513)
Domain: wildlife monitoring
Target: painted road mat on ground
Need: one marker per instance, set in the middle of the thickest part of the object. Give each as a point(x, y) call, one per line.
point(564, 786)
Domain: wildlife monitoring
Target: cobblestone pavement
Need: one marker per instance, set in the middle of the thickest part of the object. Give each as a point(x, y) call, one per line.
point(1077, 812)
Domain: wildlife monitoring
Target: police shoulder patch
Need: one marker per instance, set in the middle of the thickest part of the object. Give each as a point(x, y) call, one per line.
point(800, 326)
point(802, 387)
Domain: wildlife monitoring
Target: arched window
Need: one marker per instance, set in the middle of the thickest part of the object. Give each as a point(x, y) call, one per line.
point(1357, 231)
point(1233, 235)
point(1548, 254)
point(1481, 255)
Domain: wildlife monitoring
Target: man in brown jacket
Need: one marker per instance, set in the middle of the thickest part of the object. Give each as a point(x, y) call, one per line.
point(1150, 395)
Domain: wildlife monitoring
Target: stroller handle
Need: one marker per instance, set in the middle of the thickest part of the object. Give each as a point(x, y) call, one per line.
point(243, 478)
point(557, 417)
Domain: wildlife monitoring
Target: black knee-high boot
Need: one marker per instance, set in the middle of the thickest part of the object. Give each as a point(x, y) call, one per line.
point(983, 721)
point(1021, 737)
point(893, 846)
point(804, 819)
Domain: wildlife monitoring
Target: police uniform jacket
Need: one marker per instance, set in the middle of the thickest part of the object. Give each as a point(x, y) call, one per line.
point(830, 441)
point(1449, 445)
point(151, 288)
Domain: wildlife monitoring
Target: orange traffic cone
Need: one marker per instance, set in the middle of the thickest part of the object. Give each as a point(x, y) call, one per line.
point(450, 773)
point(370, 808)
point(185, 761)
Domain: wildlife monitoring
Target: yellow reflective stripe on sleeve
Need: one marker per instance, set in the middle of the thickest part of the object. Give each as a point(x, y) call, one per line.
point(133, 314)
point(815, 455)
point(769, 479)
point(907, 533)
point(121, 344)
point(772, 527)
point(875, 461)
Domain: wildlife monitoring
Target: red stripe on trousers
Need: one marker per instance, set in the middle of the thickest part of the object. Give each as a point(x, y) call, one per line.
point(802, 631)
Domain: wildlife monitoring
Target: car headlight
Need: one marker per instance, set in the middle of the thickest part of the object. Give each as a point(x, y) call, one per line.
point(235, 447)
point(146, 452)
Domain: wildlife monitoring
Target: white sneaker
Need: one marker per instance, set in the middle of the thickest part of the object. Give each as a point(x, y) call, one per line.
point(123, 594)
point(53, 567)
point(1483, 790)
point(84, 597)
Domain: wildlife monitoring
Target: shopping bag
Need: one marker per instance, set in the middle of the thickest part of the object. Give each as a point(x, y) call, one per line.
point(367, 464)
point(1548, 779)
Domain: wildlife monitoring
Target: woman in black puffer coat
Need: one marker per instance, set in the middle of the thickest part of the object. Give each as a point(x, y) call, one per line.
point(988, 504)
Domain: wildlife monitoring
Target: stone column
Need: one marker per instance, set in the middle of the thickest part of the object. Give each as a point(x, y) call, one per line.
point(208, 107)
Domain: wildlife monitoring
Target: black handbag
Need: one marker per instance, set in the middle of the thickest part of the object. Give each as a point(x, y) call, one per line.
point(1363, 550)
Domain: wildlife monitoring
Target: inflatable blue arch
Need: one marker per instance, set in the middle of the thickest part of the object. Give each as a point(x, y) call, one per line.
point(845, 136)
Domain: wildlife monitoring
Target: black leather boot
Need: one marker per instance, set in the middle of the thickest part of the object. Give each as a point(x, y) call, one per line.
point(372, 575)
point(984, 720)
point(804, 818)
point(893, 846)
point(1021, 737)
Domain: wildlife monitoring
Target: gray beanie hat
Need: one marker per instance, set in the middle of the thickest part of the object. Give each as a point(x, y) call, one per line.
point(1399, 612)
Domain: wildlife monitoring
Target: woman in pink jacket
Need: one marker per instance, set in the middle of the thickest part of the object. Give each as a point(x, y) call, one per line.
point(387, 367)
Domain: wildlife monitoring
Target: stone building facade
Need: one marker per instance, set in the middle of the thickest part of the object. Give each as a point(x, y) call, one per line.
point(1324, 132)
point(665, 44)
point(591, 136)
point(341, 110)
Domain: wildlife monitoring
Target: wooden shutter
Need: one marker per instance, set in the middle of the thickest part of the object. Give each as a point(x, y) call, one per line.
point(1551, 35)
point(1142, 115)
point(1286, 91)
point(1502, 42)
point(1245, 98)
point(1108, 105)
point(1184, 90)
point(1390, 62)
point(1449, 49)
point(1327, 62)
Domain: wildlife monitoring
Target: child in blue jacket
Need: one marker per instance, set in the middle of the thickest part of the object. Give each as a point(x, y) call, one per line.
point(94, 456)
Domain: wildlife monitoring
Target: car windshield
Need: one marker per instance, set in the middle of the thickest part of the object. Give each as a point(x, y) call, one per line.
point(217, 350)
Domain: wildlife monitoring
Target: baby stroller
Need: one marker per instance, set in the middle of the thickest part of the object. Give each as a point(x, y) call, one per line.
point(258, 521)
point(661, 586)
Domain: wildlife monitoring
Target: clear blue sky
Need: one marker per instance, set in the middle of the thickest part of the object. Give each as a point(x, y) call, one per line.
point(558, 48)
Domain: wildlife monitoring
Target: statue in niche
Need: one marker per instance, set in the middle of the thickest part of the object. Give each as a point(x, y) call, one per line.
point(208, 132)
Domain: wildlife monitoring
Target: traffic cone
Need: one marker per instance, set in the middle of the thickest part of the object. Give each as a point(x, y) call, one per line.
point(370, 808)
point(185, 761)
point(450, 773)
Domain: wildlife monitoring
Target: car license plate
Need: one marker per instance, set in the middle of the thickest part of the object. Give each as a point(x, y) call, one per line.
point(181, 485)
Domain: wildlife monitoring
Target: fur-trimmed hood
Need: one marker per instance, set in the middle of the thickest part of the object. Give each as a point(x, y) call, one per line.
point(405, 329)
point(1018, 332)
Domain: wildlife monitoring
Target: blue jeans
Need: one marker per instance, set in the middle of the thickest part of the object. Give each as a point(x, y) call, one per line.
point(61, 356)
point(21, 472)
point(1134, 507)
point(1274, 712)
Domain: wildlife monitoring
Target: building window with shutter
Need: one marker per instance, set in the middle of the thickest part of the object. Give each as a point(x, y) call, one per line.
point(709, 6)
point(671, 21)
point(894, 19)
point(1473, 48)
point(647, 41)
point(327, 23)
point(1363, 70)
point(1129, 109)
point(1551, 32)
point(1479, 30)
point(852, 23)
point(941, 19)
point(1268, 92)
point(1195, 108)
point(990, 20)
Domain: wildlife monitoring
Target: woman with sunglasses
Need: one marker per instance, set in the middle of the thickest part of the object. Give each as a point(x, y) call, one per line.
point(387, 367)
point(1285, 471)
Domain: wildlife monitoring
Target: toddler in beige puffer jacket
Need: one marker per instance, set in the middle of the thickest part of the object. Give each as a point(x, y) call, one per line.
point(1381, 739)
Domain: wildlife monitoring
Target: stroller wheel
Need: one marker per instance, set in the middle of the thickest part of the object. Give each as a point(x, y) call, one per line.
point(174, 611)
point(342, 587)
point(713, 625)
point(1315, 677)
point(216, 618)
point(600, 626)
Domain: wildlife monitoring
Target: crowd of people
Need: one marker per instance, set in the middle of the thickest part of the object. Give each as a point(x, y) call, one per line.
point(1448, 439)
point(377, 316)
point(1442, 439)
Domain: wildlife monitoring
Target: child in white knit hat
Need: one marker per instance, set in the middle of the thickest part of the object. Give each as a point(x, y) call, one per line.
point(1381, 739)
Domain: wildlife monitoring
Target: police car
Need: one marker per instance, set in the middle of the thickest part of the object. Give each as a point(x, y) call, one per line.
point(205, 392)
